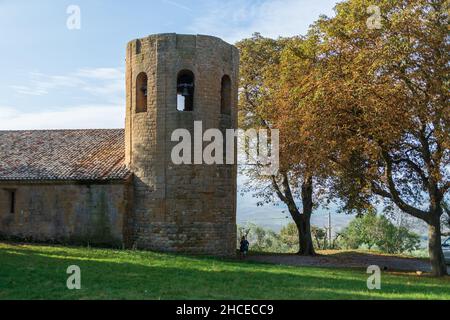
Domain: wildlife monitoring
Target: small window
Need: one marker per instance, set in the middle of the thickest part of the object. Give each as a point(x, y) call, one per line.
point(225, 104)
point(185, 91)
point(138, 46)
point(12, 201)
point(141, 92)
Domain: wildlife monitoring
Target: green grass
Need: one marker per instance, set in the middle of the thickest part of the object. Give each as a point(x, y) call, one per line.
point(39, 272)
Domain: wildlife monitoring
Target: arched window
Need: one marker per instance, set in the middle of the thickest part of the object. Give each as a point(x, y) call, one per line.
point(141, 92)
point(138, 46)
point(225, 104)
point(185, 91)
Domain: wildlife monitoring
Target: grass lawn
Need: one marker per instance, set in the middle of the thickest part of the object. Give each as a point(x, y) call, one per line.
point(39, 272)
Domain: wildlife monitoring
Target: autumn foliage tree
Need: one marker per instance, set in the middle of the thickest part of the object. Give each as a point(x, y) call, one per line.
point(265, 103)
point(362, 102)
point(380, 108)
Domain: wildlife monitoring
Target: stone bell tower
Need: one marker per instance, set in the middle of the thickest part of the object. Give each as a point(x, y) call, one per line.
point(173, 81)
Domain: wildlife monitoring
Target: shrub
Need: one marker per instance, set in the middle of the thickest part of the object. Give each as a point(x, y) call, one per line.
point(372, 231)
point(262, 240)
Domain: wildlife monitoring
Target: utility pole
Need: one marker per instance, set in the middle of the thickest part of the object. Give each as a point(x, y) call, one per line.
point(329, 230)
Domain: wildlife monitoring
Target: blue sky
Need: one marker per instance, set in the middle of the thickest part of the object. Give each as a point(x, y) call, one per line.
point(52, 77)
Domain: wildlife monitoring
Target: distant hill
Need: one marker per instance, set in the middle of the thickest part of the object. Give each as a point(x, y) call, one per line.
point(275, 217)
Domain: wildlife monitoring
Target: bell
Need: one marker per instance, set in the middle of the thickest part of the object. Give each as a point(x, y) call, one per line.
point(185, 92)
point(144, 90)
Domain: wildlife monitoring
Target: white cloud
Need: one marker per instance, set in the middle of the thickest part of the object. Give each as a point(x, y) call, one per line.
point(101, 73)
point(237, 19)
point(80, 117)
point(108, 84)
point(178, 5)
point(102, 91)
point(30, 91)
point(41, 84)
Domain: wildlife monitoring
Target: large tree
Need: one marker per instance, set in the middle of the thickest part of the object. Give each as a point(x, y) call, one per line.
point(381, 108)
point(266, 102)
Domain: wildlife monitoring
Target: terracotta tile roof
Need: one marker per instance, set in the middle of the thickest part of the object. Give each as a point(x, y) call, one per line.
point(62, 155)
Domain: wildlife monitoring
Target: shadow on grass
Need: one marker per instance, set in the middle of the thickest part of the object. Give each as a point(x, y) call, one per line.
point(366, 254)
point(33, 274)
point(341, 254)
point(348, 259)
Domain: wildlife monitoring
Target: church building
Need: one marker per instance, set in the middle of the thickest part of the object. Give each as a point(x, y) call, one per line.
point(119, 187)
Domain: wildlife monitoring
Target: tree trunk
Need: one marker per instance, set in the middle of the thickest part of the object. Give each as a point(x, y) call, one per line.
point(438, 266)
point(304, 221)
point(304, 236)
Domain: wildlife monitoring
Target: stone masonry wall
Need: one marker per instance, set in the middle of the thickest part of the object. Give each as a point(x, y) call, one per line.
point(65, 213)
point(180, 208)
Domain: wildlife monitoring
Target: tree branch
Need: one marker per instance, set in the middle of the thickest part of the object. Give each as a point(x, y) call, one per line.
point(380, 192)
point(445, 188)
point(277, 190)
point(290, 198)
point(414, 167)
point(395, 196)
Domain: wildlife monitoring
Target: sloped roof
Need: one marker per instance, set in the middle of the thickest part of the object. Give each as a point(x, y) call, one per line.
point(63, 155)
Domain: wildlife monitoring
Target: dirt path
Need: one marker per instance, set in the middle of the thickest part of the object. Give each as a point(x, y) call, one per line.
point(348, 259)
